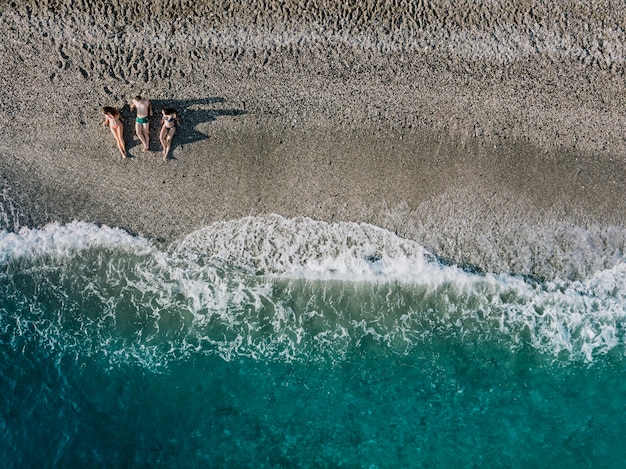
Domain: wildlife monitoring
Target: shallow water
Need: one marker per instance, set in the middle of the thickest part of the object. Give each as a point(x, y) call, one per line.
point(270, 342)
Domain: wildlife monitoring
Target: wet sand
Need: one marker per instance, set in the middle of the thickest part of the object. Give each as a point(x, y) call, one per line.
point(490, 134)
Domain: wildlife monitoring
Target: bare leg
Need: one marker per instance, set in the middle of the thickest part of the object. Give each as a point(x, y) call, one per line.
point(168, 141)
point(162, 137)
point(146, 136)
point(166, 136)
point(142, 132)
point(119, 139)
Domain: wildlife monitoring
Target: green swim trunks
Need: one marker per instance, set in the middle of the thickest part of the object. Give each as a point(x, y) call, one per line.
point(141, 120)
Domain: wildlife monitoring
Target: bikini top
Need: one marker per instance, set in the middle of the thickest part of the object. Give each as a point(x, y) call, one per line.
point(169, 123)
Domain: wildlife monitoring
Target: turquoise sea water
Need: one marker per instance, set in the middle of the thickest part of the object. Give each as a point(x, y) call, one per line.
point(269, 342)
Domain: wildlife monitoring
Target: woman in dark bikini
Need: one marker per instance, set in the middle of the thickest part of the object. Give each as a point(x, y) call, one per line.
point(113, 120)
point(170, 121)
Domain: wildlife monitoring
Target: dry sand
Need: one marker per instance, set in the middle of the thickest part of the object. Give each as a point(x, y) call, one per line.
point(491, 132)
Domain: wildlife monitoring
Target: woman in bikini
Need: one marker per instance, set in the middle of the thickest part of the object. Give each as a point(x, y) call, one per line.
point(113, 120)
point(170, 121)
point(142, 122)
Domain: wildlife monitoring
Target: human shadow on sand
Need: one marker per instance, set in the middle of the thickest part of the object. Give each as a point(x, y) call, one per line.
point(191, 113)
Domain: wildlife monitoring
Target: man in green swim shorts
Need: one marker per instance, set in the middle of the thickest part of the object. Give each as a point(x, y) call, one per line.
point(142, 121)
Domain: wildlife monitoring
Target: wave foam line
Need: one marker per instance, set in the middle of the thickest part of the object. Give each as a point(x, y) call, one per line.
point(273, 287)
point(65, 240)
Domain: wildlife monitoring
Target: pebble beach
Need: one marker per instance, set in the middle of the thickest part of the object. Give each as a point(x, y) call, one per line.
point(476, 129)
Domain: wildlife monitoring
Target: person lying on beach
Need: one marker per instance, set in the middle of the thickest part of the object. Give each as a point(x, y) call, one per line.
point(170, 122)
point(113, 120)
point(142, 121)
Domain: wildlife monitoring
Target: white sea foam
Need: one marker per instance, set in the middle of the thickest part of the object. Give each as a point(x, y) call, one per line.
point(64, 240)
point(270, 287)
point(579, 318)
point(307, 248)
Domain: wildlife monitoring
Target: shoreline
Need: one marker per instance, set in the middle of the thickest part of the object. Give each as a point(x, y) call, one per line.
point(468, 202)
point(505, 158)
